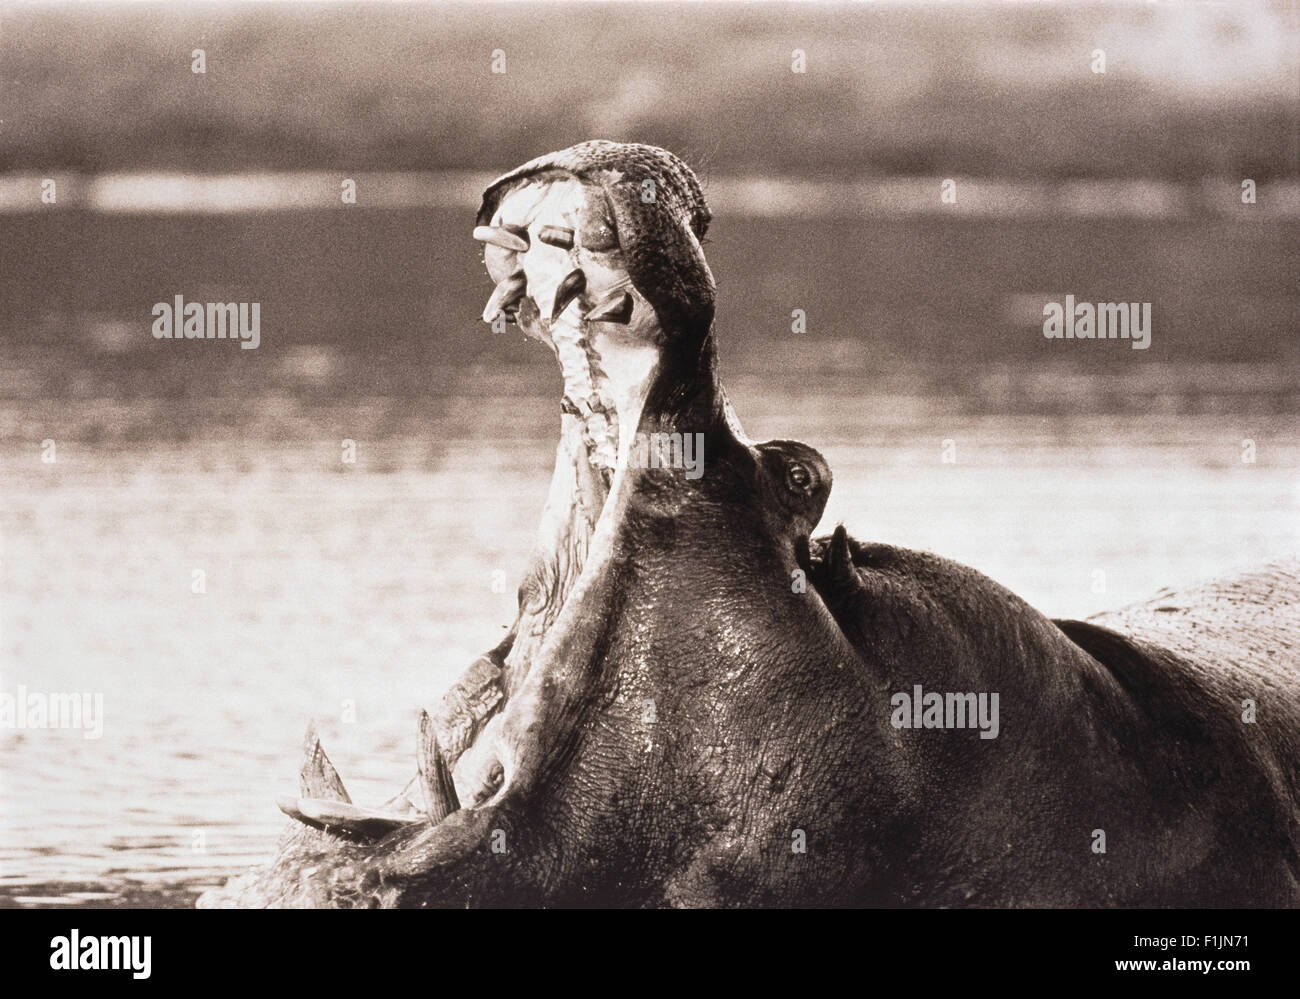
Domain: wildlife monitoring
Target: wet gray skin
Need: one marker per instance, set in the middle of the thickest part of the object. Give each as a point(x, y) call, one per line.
point(695, 705)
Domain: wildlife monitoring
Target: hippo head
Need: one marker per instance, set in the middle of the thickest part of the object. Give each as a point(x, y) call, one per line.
point(693, 705)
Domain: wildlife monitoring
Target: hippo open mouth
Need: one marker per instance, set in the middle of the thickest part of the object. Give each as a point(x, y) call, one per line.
point(558, 241)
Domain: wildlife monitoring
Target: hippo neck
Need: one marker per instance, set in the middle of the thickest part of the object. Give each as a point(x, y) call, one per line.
point(686, 408)
point(685, 394)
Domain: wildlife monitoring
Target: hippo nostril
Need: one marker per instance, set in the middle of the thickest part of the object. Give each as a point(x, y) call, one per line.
point(598, 233)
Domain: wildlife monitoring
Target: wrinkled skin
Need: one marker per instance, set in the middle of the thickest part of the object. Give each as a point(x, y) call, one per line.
point(698, 696)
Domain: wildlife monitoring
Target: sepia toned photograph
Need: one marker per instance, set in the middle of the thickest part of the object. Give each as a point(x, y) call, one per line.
point(650, 455)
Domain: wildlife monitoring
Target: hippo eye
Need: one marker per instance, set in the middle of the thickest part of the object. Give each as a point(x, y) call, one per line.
point(798, 477)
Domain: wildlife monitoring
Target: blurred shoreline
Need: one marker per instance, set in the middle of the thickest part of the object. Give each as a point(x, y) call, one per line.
point(177, 192)
point(1175, 91)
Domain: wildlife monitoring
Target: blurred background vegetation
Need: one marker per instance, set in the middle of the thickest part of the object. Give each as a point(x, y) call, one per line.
point(1190, 89)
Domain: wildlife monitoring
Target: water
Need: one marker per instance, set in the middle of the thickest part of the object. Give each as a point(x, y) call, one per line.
point(352, 594)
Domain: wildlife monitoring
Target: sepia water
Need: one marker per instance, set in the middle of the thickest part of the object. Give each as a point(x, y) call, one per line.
point(1082, 475)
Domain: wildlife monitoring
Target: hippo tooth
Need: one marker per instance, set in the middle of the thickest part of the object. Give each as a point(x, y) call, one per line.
point(508, 237)
point(570, 288)
point(616, 309)
point(556, 235)
point(509, 291)
point(317, 777)
point(435, 776)
point(342, 815)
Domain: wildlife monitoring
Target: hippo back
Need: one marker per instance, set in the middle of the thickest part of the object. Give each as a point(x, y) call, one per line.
point(1236, 642)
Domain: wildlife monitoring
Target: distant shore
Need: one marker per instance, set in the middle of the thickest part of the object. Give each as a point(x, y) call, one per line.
point(168, 192)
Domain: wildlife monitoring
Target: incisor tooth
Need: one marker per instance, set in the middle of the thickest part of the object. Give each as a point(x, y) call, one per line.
point(508, 237)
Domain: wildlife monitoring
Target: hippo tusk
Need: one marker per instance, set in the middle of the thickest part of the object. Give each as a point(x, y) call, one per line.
point(615, 309)
point(508, 237)
point(317, 777)
point(574, 283)
point(340, 816)
point(506, 293)
point(436, 786)
point(324, 801)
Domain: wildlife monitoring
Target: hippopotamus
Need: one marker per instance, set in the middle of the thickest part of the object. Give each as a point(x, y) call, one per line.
point(701, 703)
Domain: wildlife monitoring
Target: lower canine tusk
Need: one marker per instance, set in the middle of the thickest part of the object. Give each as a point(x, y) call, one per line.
point(436, 785)
point(317, 777)
point(340, 815)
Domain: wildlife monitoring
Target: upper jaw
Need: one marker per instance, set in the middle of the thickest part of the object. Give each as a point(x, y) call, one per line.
point(595, 250)
point(561, 276)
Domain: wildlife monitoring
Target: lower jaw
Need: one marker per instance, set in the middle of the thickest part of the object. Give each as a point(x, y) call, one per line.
point(554, 673)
